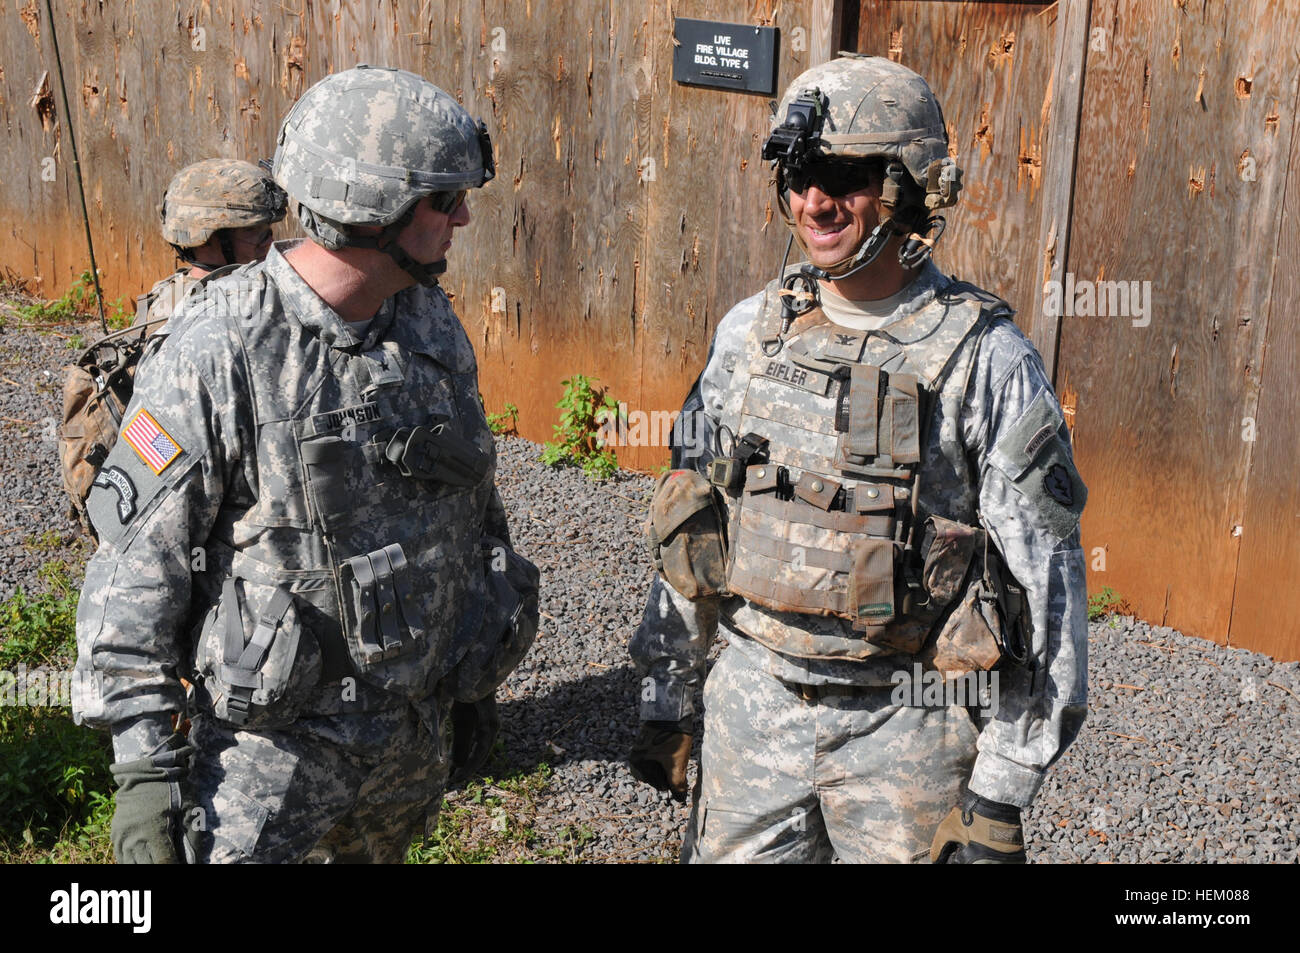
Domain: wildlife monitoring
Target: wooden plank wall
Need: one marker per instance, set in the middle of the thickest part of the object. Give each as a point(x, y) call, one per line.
point(989, 64)
point(629, 213)
point(1183, 155)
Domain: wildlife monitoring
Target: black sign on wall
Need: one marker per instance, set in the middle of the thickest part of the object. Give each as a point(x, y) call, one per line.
point(725, 55)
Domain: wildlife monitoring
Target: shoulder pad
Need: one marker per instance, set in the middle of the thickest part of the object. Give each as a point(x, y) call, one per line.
point(965, 291)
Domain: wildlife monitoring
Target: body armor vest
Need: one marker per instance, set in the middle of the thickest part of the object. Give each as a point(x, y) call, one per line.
point(360, 551)
point(831, 517)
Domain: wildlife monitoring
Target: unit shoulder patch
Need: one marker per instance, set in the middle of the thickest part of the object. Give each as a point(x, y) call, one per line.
point(115, 478)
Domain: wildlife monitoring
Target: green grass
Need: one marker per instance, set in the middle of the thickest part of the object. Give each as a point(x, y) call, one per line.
point(40, 629)
point(499, 821)
point(55, 800)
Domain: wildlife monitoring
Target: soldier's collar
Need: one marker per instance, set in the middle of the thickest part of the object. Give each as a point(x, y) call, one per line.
point(311, 310)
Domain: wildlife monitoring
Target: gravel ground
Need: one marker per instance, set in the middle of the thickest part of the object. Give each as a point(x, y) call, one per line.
point(1191, 752)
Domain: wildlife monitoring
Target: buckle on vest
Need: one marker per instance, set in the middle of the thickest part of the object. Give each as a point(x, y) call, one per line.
point(237, 704)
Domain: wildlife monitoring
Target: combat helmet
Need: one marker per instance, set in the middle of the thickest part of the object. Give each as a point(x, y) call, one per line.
point(208, 197)
point(868, 107)
point(362, 147)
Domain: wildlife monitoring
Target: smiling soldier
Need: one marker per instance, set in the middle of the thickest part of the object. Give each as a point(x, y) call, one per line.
point(886, 486)
point(300, 517)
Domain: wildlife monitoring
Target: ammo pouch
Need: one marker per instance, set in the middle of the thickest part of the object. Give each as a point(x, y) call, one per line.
point(685, 535)
point(254, 658)
point(501, 630)
point(380, 617)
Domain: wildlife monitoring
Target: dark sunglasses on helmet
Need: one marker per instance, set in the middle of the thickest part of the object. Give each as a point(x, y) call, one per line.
point(447, 202)
point(835, 178)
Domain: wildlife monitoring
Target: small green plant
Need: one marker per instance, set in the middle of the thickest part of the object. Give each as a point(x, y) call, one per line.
point(1104, 603)
point(40, 629)
point(54, 786)
point(489, 821)
point(584, 412)
point(506, 422)
point(75, 304)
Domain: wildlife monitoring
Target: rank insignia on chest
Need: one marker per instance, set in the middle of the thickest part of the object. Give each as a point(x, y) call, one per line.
point(153, 444)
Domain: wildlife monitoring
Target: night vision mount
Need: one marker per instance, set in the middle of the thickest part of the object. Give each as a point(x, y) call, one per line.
point(791, 141)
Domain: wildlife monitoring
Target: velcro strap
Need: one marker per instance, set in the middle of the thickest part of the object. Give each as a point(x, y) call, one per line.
point(796, 511)
point(788, 552)
point(864, 411)
point(904, 419)
point(386, 600)
point(251, 658)
point(402, 588)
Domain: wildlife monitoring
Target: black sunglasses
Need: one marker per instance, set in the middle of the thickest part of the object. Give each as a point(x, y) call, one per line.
point(447, 202)
point(836, 179)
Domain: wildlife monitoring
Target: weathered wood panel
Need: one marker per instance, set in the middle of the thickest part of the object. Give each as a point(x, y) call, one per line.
point(989, 64)
point(1176, 102)
point(628, 214)
point(1266, 598)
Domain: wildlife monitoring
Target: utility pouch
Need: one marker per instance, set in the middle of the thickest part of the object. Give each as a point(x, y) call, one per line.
point(879, 419)
point(871, 582)
point(326, 461)
point(254, 657)
point(949, 547)
point(380, 617)
point(685, 535)
point(970, 639)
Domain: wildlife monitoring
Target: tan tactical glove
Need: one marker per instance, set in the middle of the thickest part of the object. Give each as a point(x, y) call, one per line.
point(979, 831)
point(660, 753)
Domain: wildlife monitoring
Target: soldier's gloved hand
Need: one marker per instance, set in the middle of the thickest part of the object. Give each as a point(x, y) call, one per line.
point(474, 727)
point(979, 831)
point(660, 754)
point(148, 824)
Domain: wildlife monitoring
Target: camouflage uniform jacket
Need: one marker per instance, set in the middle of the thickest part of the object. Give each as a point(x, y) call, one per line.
point(255, 468)
point(974, 467)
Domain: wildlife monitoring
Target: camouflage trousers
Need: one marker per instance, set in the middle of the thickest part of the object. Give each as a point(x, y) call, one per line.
point(826, 774)
point(343, 788)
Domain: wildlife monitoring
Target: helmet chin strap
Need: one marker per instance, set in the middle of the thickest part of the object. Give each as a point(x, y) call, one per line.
point(386, 242)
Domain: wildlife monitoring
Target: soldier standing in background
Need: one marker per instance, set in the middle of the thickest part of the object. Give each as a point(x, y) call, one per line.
point(890, 493)
point(217, 214)
point(300, 516)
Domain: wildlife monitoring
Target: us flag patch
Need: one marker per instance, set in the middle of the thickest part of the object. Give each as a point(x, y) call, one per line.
point(154, 445)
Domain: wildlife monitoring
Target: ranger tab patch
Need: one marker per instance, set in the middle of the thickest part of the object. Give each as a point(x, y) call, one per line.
point(154, 445)
point(115, 478)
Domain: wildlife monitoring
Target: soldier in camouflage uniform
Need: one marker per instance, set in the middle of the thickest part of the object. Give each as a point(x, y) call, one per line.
point(890, 502)
point(216, 214)
point(300, 516)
